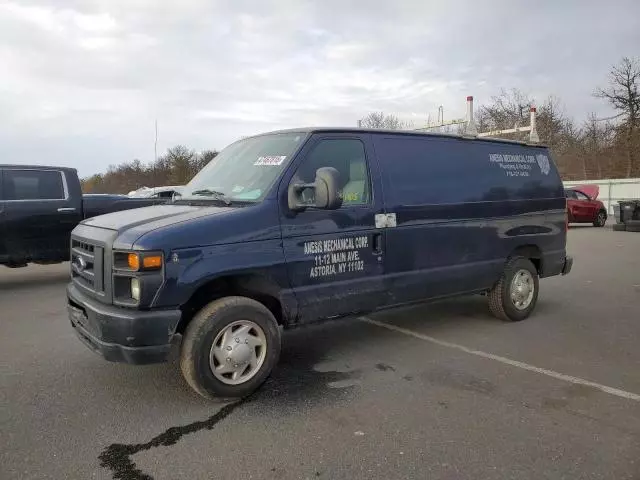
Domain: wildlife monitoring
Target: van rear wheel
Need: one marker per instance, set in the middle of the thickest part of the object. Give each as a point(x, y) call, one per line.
point(514, 296)
point(230, 348)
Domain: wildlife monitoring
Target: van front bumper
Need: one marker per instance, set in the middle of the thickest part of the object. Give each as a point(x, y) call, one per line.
point(122, 334)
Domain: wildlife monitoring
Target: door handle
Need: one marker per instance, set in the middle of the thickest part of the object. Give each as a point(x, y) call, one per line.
point(377, 243)
point(66, 210)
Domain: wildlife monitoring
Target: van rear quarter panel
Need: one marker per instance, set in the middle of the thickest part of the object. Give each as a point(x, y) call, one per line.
point(462, 206)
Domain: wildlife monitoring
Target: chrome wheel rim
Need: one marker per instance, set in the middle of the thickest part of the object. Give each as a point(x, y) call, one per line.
point(238, 352)
point(601, 219)
point(522, 289)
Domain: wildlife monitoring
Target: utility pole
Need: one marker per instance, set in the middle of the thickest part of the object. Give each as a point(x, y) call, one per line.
point(155, 144)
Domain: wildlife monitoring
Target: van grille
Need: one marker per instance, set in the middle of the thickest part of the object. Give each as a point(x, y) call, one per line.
point(87, 261)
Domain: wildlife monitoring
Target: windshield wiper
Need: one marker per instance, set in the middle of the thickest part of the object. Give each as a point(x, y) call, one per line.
point(213, 193)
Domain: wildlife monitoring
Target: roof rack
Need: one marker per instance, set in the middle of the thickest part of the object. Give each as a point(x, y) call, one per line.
point(471, 130)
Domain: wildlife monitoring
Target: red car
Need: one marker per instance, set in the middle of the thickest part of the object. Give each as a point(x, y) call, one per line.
point(583, 206)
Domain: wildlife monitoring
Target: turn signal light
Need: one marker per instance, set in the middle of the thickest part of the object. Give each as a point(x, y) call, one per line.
point(154, 261)
point(133, 261)
point(136, 261)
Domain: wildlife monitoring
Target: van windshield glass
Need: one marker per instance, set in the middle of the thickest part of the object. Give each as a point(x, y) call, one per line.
point(245, 170)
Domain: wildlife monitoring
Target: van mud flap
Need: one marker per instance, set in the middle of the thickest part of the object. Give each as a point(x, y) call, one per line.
point(568, 264)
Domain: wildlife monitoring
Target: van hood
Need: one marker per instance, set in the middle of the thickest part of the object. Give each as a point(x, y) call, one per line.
point(592, 191)
point(153, 217)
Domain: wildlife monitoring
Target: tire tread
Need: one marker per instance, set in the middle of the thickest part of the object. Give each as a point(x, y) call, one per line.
point(196, 329)
point(496, 295)
point(495, 298)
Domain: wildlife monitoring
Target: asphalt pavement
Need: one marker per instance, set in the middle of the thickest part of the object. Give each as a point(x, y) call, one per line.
point(441, 391)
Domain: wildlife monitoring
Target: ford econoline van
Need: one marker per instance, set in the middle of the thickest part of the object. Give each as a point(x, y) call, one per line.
point(298, 226)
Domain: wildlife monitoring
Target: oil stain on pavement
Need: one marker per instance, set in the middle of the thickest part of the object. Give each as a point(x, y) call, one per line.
point(295, 380)
point(117, 457)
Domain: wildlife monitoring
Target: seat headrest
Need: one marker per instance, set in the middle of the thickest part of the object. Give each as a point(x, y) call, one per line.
point(357, 170)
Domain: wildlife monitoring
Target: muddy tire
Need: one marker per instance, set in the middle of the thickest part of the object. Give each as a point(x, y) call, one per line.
point(230, 348)
point(514, 296)
point(601, 219)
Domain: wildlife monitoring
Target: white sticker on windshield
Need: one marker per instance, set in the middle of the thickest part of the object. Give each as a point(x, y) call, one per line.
point(250, 195)
point(271, 161)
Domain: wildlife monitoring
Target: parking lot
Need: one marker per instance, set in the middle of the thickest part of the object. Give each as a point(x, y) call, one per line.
point(442, 391)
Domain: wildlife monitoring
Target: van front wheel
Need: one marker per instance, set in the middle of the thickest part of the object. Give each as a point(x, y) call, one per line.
point(230, 348)
point(514, 296)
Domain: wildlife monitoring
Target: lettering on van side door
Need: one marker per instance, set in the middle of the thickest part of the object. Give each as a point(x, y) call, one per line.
point(336, 256)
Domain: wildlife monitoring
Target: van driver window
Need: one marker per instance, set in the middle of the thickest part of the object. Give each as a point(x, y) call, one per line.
point(347, 156)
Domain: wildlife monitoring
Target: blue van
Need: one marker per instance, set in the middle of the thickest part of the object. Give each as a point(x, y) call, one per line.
point(297, 226)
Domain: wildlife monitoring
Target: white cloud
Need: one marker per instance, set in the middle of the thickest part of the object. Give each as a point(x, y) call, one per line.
point(85, 80)
point(40, 17)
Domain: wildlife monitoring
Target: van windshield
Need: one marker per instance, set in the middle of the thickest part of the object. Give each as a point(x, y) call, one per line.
point(245, 170)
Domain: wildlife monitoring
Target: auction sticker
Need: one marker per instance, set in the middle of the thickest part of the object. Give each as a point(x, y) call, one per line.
point(271, 161)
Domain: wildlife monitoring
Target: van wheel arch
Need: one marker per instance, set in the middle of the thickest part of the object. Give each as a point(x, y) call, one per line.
point(531, 252)
point(250, 285)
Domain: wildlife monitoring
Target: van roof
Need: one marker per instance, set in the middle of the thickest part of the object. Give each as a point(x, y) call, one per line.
point(36, 167)
point(308, 130)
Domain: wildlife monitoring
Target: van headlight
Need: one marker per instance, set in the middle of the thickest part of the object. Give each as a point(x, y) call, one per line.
point(137, 276)
point(135, 289)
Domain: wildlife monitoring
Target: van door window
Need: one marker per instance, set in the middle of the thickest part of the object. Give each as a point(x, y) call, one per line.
point(347, 156)
point(33, 185)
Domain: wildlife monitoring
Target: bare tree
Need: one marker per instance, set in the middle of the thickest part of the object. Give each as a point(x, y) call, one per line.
point(180, 160)
point(506, 110)
point(380, 120)
point(203, 159)
point(177, 166)
point(597, 142)
point(623, 95)
point(554, 127)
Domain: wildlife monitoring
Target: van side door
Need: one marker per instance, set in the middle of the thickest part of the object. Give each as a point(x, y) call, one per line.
point(335, 258)
point(39, 214)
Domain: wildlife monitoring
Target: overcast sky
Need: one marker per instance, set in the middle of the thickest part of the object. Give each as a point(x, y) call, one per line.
point(82, 81)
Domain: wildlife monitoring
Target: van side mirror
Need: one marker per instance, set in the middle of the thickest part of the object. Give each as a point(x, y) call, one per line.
point(325, 189)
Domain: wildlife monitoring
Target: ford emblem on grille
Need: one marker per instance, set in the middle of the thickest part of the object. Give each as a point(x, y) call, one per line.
point(81, 263)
